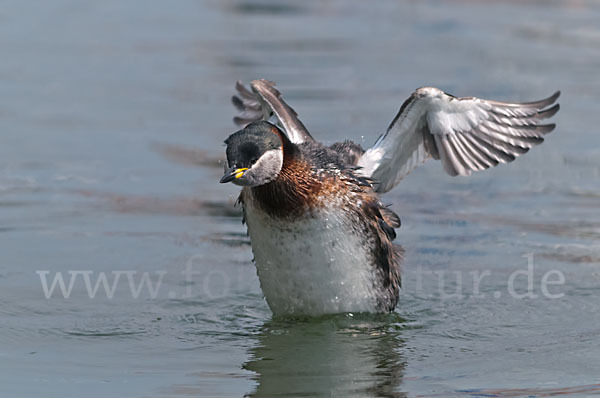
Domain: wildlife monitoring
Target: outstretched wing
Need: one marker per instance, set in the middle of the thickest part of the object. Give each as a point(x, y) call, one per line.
point(466, 134)
point(263, 102)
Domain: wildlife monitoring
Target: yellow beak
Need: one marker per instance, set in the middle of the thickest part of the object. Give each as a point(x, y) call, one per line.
point(233, 173)
point(239, 172)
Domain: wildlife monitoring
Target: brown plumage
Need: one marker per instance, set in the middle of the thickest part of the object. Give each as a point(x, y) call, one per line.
point(294, 192)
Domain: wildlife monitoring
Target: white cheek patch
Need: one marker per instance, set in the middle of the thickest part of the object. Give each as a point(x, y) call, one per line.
point(273, 157)
point(268, 166)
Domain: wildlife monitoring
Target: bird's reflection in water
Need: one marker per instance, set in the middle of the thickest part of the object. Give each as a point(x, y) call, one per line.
point(339, 355)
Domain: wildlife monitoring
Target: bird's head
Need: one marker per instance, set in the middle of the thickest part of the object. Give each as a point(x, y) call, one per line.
point(254, 155)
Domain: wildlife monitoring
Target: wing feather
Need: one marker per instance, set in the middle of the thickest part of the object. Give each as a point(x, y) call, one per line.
point(484, 160)
point(263, 102)
point(460, 164)
point(470, 160)
point(494, 151)
point(466, 134)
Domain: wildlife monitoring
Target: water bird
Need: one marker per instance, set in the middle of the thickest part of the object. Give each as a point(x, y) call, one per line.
point(321, 237)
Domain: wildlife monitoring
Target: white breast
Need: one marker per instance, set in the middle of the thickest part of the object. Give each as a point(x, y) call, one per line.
point(313, 265)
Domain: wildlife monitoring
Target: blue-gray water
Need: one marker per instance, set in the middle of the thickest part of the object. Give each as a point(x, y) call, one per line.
point(112, 118)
